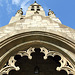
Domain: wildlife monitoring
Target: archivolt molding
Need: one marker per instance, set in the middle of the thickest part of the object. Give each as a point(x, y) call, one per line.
point(65, 64)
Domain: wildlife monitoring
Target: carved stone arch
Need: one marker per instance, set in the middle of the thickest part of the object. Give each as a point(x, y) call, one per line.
point(21, 42)
point(65, 64)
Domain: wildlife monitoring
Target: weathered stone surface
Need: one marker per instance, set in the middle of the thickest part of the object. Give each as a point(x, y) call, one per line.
point(37, 30)
point(36, 23)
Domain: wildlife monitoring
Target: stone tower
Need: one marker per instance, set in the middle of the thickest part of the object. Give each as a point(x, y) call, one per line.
point(34, 36)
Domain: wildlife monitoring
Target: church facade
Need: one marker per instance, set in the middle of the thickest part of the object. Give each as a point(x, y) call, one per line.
point(36, 44)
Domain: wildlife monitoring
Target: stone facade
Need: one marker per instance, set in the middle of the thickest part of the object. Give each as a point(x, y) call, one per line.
point(37, 24)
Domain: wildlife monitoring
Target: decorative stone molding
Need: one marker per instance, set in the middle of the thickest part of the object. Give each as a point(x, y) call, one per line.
point(26, 53)
point(9, 66)
point(19, 12)
point(65, 64)
point(11, 63)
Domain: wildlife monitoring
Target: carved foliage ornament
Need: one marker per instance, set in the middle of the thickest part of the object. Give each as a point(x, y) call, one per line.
point(65, 64)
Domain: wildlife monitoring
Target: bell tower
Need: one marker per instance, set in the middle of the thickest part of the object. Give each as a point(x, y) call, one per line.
point(35, 8)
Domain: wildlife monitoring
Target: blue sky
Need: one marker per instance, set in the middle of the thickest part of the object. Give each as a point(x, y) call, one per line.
point(64, 9)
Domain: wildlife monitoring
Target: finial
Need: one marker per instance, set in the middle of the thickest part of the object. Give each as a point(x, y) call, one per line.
point(20, 8)
point(49, 10)
point(51, 13)
point(20, 11)
point(35, 2)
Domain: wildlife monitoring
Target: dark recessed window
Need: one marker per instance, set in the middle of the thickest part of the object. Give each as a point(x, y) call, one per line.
point(38, 9)
point(32, 9)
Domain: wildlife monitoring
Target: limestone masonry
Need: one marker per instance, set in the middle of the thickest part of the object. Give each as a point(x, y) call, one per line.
point(41, 35)
point(36, 20)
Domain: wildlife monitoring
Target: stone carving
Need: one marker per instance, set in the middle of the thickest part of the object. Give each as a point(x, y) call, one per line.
point(27, 53)
point(11, 63)
point(20, 11)
point(51, 14)
point(65, 64)
point(10, 66)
